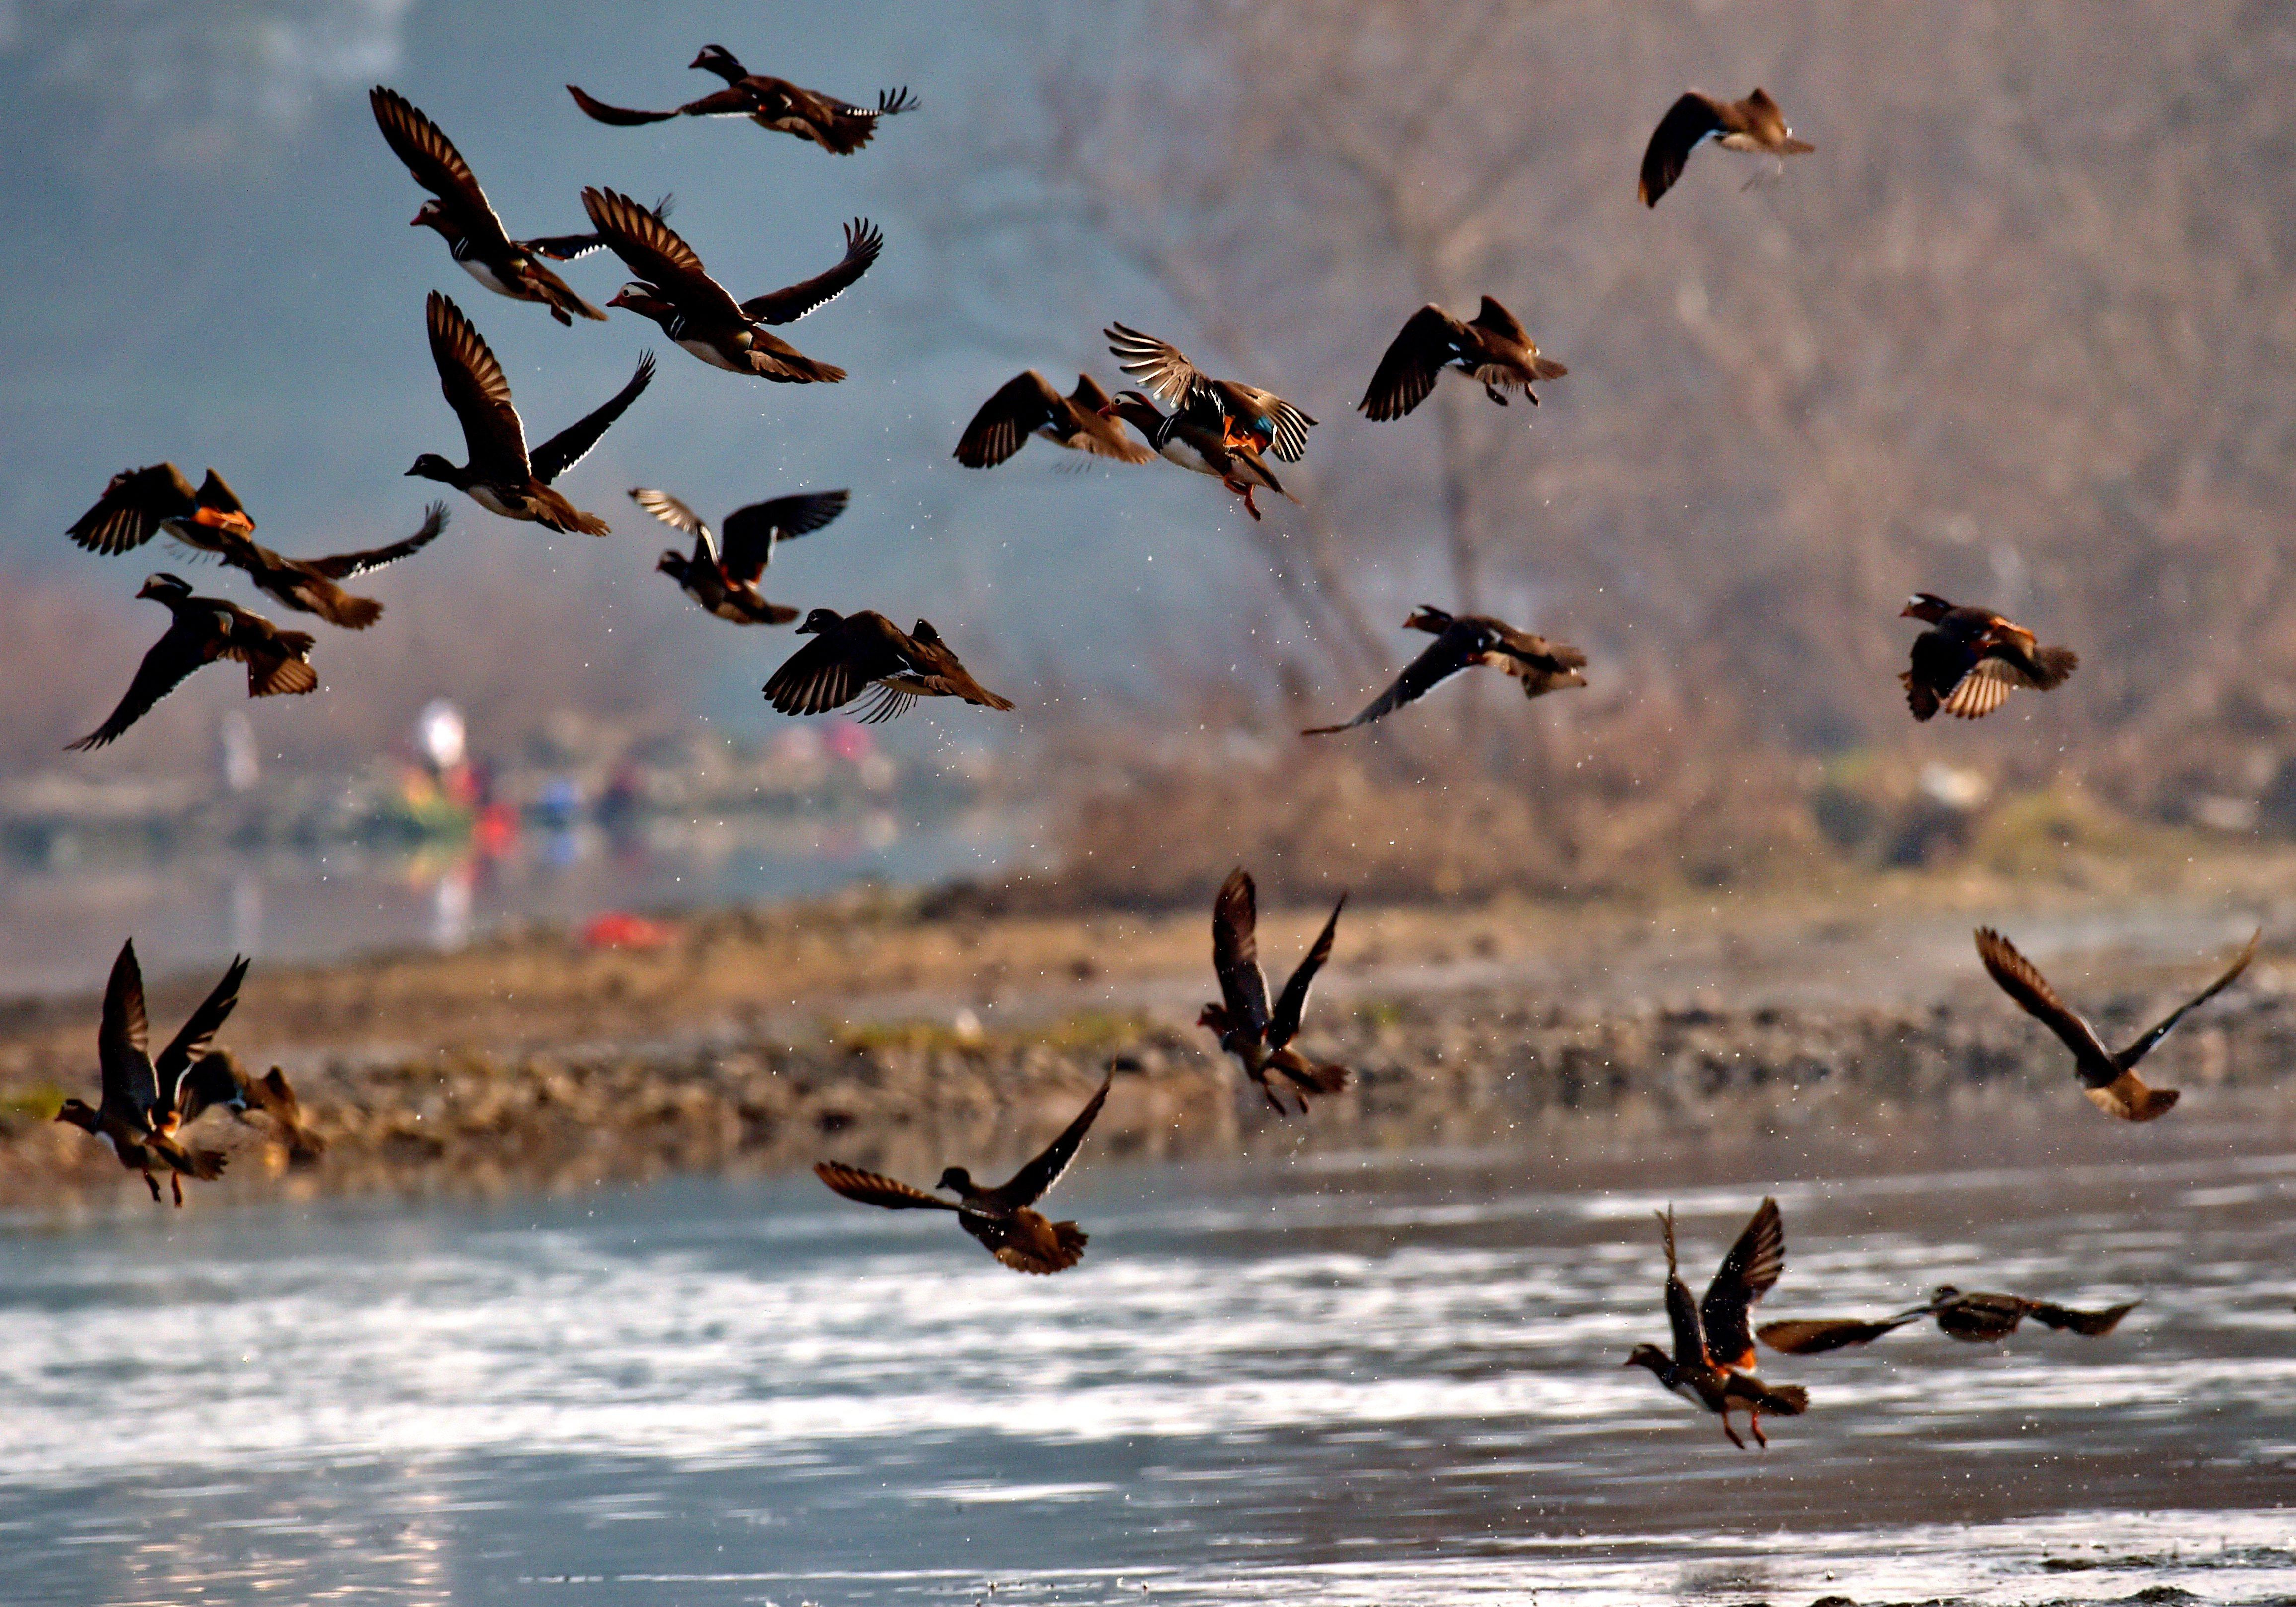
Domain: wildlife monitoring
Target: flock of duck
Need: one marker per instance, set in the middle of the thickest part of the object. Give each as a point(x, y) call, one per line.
point(1966, 662)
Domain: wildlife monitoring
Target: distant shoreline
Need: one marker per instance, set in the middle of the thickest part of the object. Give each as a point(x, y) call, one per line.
point(763, 1040)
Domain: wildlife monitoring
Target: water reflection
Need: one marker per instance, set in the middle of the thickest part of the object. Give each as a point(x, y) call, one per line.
point(1394, 1381)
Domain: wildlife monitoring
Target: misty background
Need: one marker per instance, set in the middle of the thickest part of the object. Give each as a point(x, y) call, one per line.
point(2017, 331)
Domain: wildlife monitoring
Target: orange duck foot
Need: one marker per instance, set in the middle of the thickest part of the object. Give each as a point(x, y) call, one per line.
point(1249, 507)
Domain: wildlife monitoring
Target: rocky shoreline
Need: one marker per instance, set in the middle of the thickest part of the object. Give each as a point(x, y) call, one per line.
point(1473, 1066)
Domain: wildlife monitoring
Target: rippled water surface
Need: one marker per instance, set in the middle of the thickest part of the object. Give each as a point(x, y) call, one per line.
point(1391, 1380)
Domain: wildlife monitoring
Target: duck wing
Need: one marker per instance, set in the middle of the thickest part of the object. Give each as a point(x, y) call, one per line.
point(1235, 950)
point(1284, 1023)
point(619, 117)
point(1689, 120)
point(572, 444)
point(130, 511)
point(2142, 1046)
point(436, 166)
point(672, 512)
point(1460, 644)
point(120, 1041)
point(1406, 373)
point(342, 566)
point(1494, 317)
point(182, 648)
point(863, 241)
point(190, 1043)
point(1814, 1336)
point(2023, 981)
point(1022, 405)
point(752, 533)
point(837, 666)
point(1681, 1306)
point(653, 251)
point(1748, 1273)
point(573, 248)
point(1035, 1180)
point(872, 1188)
point(2095, 1325)
point(477, 392)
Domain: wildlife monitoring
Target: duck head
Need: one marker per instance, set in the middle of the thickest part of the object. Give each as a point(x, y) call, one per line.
point(77, 1113)
point(643, 299)
point(957, 1178)
point(925, 632)
point(431, 466)
point(1429, 619)
point(1944, 1294)
point(1925, 606)
point(672, 563)
point(718, 58)
point(1134, 408)
point(1647, 1354)
point(820, 619)
point(166, 589)
point(433, 216)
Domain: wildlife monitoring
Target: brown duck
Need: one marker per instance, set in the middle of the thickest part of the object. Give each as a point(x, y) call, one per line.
point(1752, 124)
point(1492, 347)
point(775, 103)
point(140, 1111)
point(722, 575)
point(1244, 415)
point(1463, 641)
point(1714, 1356)
point(999, 1217)
point(502, 476)
point(1027, 405)
point(202, 631)
point(1970, 658)
point(676, 291)
point(465, 219)
point(139, 503)
point(2109, 1079)
point(312, 585)
point(217, 1081)
point(866, 653)
point(1184, 438)
point(1974, 1318)
point(1258, 1038)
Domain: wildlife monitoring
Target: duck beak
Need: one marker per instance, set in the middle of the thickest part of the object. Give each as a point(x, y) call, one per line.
point(1906, 612)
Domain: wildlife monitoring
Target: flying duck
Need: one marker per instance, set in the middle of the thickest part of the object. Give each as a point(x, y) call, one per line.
point(461, 213)
point(1973, 1318)
point(1714, 1356)
point(137, 503)
point(853, 654)
point(1000, 1216)
point(723, 576)
point(501, 477)
point(774, 103)
point(1257, 1038)
point(1970, 658)
point(1027, 405)
point(1492, 347)
point(204, 629)
point(1244, 415)
point(674, 291)
point(1183, 438)
point(1463, 641)
point(215, 1081)
point(2109, 1079)
point(1752, 124)
point(139, 1113)
point(309, 585)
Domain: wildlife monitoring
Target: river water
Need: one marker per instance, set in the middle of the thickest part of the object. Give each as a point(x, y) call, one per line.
point(1351, 1380)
